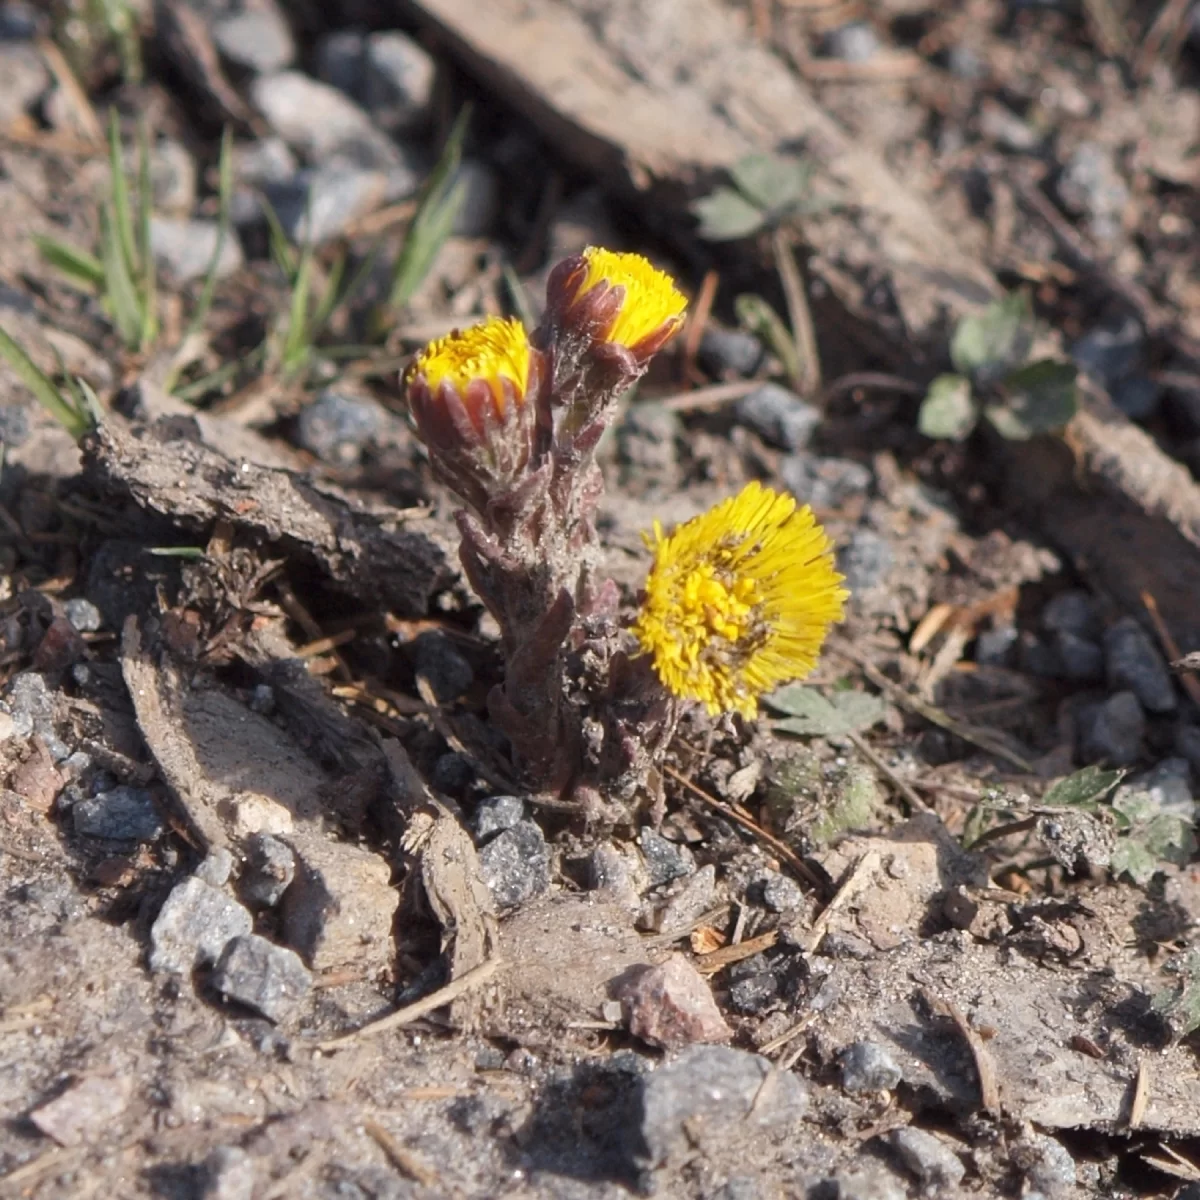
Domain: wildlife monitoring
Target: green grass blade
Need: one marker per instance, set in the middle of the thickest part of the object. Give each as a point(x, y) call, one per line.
point(364, 271)
point(149, 288)
point(281, 250)
point(42, 387)
point(331, 297)
point(519, 296)
point(122, 214)
point(79, 266)
point(434, 218)
point(118, 283)
point(297, 345)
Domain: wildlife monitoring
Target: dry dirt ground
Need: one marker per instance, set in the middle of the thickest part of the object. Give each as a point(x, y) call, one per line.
point(253, 812)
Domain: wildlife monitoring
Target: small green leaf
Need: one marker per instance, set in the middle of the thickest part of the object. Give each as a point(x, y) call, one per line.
point(1083, 789)
point(772, 182)
point(1181, 1004)
point(726, 215)
point(997, 338)
point(812, 715)
point(1039, 398)
point(756, 316)
point(1132, 858)
point(948, 410)
point(854, 804)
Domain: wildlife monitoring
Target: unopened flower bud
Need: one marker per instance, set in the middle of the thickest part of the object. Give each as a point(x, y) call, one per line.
point(472, 398)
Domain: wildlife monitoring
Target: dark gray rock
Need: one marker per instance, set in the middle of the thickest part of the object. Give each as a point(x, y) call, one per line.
point(869, 1067)
point(515, 864)
point(262, 699)
point(664, 860)
point(1187, 744)
point(256, 38)
point(825, 483)
point(1046, 1163)
point(83, 614)
point(270, 979)
point(779, 416)
point(18, 21)
point(452, 774)
point(338, 427)
point(398, 81)
point(1081, 661)
point(1112, 350)
point(753, 993)
point(854, 42)
point(448, 673)
point(496, 814)
point(184, 249)
point(781, 894)
point(720, 1088)
point(647, 442)
point(927, 1157)
point(125, 814)
point(1072, 612)
point(609, 872)
point(194, 926)
point(270, 869)
point(1138, 397)
point(1133, 663)
point(24, 79)
point(1113, 732)
point(1038, 657)
point(866, 560)
point(729, 352)
point(480, 201)
point(996, 647)
point(339, 61)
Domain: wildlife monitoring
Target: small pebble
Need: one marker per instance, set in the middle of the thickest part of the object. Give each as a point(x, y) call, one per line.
point(996, 647)
point(270, 868)
point(869, 1067)
point(671, 1005)
point(1133, 662)
point(730, 352)
point(781, 894)
point(194, 926)
point(339, 61)
point(398, 81)
point(18, 21)
point(184, 249)
point(481, 199)
point(452, 774)
point(1091, 184)
point(664, 860)
point(125, 814)
point(262, 699)
point(216, 867)
point(229, 1173)
point(83, 614)
point(779, 416)
point(1113, 732)
point(999, 124)
point(319, 204)
point(270, 979)
point(1072, 612)
point(825, 483)
point(870, 1183)
point(1082, 661)
point(435, 658)
point(257, 38)
point(1169, 785)
point(497, 813)
point(1138, 397)
point(30, 705)
point(1112, 350)
point(1047, 1164)
point(337, 427)
point(855, 42)
point(752, 994)
point(515, 864)
point(927, 1157)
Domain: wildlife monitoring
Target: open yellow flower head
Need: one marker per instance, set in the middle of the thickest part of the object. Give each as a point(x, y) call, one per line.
point(493, 353)
point(739, 600)
point(651, 302)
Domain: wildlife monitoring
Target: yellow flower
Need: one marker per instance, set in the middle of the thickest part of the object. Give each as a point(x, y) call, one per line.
point(490, 353)
point(739, 600)
point(652, 306)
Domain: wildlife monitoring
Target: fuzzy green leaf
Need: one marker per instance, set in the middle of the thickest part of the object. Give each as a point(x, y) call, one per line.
point(810, 714)
point(1083, 789)
point(1039, 397)
point(726, 215)
point(772, 182)
point(998, 337)
point(948, 410)
point(853, 806)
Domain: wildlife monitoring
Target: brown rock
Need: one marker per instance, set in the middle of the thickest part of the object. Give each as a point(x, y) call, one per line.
point(671, 1005)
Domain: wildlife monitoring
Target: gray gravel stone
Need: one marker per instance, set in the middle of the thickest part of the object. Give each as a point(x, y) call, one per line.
point(270, 868)
point(1187, 744)
point(31, 705)
point(664, 860)
point(172, 177)
point(398, 81)
point(1092, 185)
point(825, 483)
point(1112, 350)
point(322, 123)
point(481, 196)
point(996, 647)
point(753, 993)
point(1046, 1163)
point(270, 979)
point(185, 249)
point(779, 416)
point(724, 352)
point(216, 867)
point(1138, 397)
point(781, 894)
point(1112, 732)
point(1081, 661)
point(83, 614)
point(854, 42)
point(515, 864)
point(927, 1157)
point(262, 699)
point(18, 21)
point(339, 61)
point(435, 657)
point(869, 1067)
point(1072, 612)
point(1133, 662)
point(257, 38)
point(194, 926)
point(229, 1173)
point(452, 774)
point(998, 123)
point(319, 204)
point(125, 814)
point(1169, 785)
point(23, 79)
point(870, 1183)
point(337, 427)
point(721, 1087)
point(497, 813)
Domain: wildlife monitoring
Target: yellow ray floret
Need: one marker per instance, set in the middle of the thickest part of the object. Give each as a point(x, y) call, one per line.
point(651, 298)
point(495, 350)
point(739, 600)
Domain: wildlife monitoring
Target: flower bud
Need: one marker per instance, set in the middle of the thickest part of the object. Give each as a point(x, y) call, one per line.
point(472, 398)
